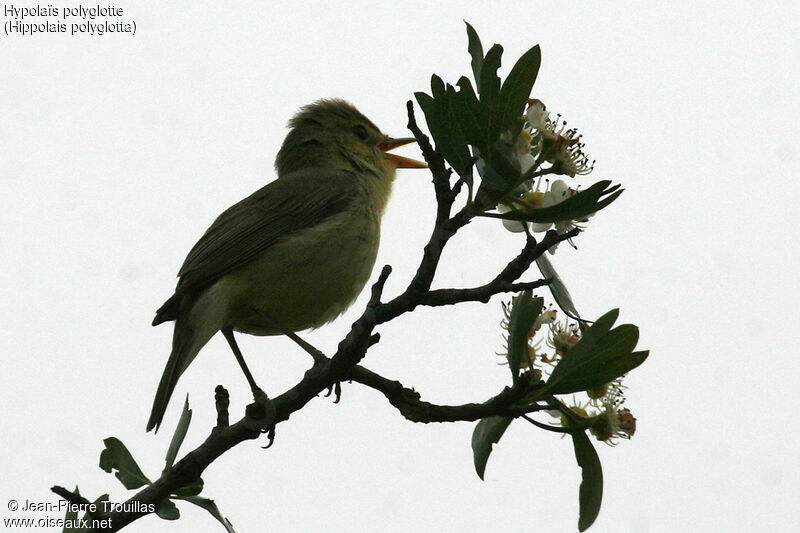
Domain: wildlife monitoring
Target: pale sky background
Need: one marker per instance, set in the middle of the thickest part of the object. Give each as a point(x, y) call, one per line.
point(118, 151)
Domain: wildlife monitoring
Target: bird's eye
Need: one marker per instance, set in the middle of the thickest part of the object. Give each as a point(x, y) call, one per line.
point(361, 132)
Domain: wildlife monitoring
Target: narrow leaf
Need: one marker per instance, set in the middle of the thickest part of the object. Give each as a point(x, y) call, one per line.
point(99, 505)
point(604, 368)
point(487, 432)
point(441, 114)
point(437, 87)
point(572, 359)
point(590, 494)
point(518, 85)
point(167, 510)
point(489, 88)
point(500, 177)
point(601, 356)
point(423, 99)
point(475, 50)
point(600, 327)
point(457, 151)
point(524, 313)
point(557, 287)
point(100, 508)
point(470, 112)
point(116, 456)
point(579, 205)
point(71, 518)
point(211, 507)
point(489, 95)
point(179, 435)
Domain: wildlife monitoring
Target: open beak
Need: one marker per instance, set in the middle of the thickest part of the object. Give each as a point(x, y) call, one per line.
point(399, 160)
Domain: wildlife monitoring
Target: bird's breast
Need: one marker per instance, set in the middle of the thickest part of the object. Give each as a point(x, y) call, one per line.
point(306, 280)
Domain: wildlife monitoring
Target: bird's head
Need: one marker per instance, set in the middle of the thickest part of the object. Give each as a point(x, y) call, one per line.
point(334, 134)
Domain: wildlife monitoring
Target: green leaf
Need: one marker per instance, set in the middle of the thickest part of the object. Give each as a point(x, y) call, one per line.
point(98, 503)
point(489, 87)
point(167, 510)
point(524, 313)
point(557, 287)
point(579, 205)
point(601, 356)
point(489, 92)
point(458, 154)
point(611, 357)
point(487, 432)
point(458, 118)
point(444, 118)
point(116, 456)
point(500, 176)
point(101, 508)
point(601, 326)
point(437, 87)
point(71, 518)
point(179, 435)
point(578, 353)
point(469, 112)
point(497, 180)
point(211, 507)
point(475, 50)
point(604, 369)
point(518, 85)
point(590, 494)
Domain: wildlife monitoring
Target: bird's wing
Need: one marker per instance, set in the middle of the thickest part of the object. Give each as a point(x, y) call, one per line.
point(296, 201)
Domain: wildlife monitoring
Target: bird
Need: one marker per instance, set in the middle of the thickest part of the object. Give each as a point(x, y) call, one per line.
point(293, 255)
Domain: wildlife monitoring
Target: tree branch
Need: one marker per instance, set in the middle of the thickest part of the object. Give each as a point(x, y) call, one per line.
point(408, 401)
point(503, 282)
point(265, 414)
point(440, 297)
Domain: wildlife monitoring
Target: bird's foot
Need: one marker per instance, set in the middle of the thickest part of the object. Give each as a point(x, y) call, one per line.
point(261, 414)
point(336, 390)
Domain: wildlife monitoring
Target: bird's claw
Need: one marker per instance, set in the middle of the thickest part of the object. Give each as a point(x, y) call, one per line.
point(336, 390)
point(261, 414)
point(271, 437)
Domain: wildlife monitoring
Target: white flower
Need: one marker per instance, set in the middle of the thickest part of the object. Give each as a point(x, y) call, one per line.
point(526, 161)
point(546, 317)
point(543, 139)
point(613, 422)
point(514, 226)
point(557, 192)
point(563, 336)
point(563, 148)
point(537, 115)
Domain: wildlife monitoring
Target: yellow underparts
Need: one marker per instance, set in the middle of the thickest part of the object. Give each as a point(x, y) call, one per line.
point(319, 271)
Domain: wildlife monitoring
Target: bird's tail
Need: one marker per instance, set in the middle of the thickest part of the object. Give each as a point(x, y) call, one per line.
point(186, 343)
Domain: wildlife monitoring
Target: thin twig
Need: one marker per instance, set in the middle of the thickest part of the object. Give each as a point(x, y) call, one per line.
point(221, 401)
point(413, 408)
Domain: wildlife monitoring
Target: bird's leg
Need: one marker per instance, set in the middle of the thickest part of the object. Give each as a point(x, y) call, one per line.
point(317, 355)
point(228, 332)
point(263, 407)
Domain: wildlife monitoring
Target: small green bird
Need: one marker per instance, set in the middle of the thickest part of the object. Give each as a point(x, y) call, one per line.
point(293, 255)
